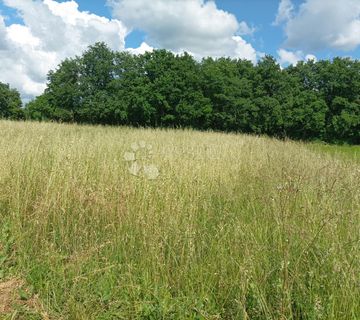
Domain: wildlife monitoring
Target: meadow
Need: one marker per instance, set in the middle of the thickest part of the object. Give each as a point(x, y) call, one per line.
point(122, 223)
point(344, 152)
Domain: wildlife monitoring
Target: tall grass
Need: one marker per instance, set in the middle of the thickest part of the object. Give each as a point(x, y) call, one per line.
point(338, 151)
point(235, 227)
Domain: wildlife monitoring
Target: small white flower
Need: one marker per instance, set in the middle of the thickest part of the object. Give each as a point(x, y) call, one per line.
point(135, 168)
point(129, 156)
point(151, 172)
point(142, 144)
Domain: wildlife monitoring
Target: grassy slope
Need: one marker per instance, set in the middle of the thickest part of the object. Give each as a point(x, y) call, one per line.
point(235, 227)
point(344, 152)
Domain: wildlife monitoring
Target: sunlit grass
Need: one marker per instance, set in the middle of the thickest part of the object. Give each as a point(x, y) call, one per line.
point(233, 226)
point(338, 151)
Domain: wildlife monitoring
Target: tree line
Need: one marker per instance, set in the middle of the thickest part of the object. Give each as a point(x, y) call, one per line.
point(309, 101)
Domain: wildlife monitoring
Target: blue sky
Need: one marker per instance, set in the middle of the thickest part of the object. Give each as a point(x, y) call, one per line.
point(35, 35)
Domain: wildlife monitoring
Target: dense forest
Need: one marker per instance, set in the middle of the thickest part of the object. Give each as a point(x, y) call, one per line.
point(309, 101)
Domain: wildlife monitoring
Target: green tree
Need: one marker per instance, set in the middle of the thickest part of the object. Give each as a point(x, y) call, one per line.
point(228, 85)
point(10, 103)
point(96, 71)
point(345, 122)
point(63, 92)
point(40, 109)
point(308, 116)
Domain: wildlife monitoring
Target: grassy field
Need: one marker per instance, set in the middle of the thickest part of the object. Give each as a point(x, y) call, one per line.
point(119, 223)
point(338, 151)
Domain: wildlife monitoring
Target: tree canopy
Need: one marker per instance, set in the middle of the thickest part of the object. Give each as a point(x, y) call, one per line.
point(10, 103)
point(312, 100)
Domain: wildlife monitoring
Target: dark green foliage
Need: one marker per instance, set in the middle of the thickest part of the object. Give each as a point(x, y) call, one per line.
point(309, 101)
point(10, 103)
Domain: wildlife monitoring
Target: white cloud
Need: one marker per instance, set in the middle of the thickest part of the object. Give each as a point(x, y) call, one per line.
point(289, 57)
point(21, 35)
point(293, 57)
point(3, 44)
point(144, 47)
point(51, 32)
point(244, 29)
point(284, 12)
point(244, 49)
point(196, 26)
point(311, 57)
point(320, 24)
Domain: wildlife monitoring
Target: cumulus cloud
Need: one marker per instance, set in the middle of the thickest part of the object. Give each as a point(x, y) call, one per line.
point(319, 24)
point(244, 29)
point(144, 47)
point(293, 57)
point(195, 26)
point(51, 32)
point(285, 11)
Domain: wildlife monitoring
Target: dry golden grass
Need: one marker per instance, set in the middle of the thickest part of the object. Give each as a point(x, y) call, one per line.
point(234, 227)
